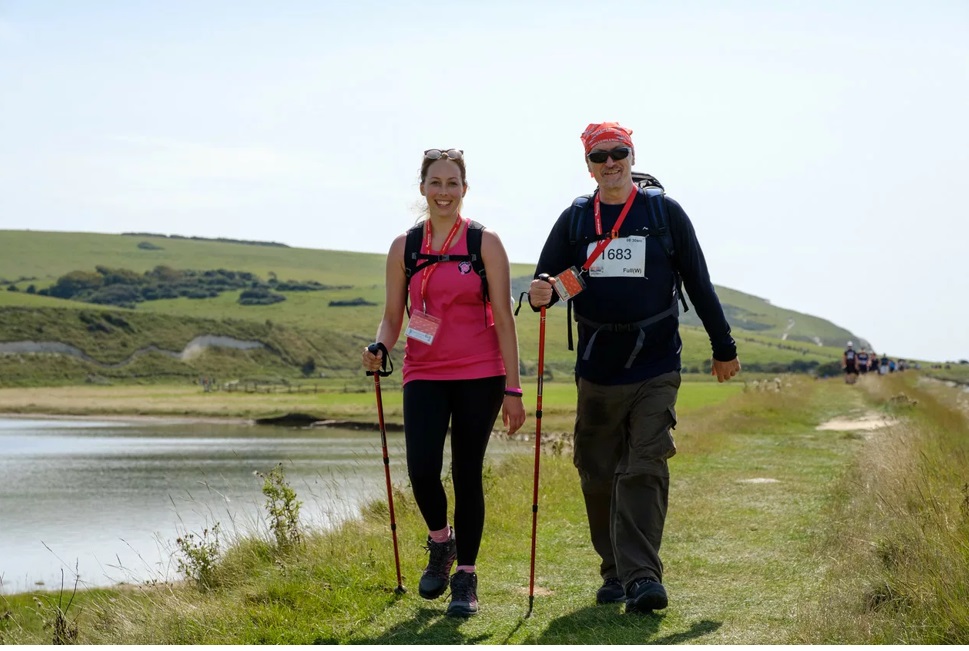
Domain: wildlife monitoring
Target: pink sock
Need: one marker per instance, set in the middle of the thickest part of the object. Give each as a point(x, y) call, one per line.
point(441, 535)
point(465, 568)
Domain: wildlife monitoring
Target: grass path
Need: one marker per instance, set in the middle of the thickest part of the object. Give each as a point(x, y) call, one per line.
point(743, 552)
point(738, 553)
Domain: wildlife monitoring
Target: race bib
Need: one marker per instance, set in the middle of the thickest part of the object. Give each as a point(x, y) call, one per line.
point(422, 327)
point(625, 257)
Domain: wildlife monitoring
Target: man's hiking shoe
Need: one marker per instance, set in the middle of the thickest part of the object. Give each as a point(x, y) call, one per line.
point(646, 595)
point(434, 580)
point(464, 595)
point(611, 592)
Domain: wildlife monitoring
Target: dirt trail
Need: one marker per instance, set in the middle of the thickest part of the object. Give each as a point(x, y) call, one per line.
point(868, 422)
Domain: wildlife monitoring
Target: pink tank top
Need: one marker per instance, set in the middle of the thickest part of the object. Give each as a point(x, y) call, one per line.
point(465, 346)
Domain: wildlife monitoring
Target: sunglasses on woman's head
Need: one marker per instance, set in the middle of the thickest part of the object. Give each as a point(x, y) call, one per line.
point(600, 155)
point(450, 154)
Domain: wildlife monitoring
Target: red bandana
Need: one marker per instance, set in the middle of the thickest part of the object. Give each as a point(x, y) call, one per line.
point(606, 132)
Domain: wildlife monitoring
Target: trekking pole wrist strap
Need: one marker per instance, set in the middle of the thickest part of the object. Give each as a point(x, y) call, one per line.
point(379, 346)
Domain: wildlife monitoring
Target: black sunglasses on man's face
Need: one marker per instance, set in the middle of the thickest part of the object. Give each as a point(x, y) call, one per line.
point(600, 155)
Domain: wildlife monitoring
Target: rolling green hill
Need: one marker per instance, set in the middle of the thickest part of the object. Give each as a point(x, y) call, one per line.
point(307, 325)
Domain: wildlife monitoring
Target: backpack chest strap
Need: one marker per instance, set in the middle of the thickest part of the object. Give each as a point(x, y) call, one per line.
point(422, 260)
point(414, 260)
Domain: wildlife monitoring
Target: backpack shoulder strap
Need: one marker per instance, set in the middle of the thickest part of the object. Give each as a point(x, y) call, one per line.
point(659, 224)
point(475, 233)
point(659, 221)
point(412, 248)
point(577, 212)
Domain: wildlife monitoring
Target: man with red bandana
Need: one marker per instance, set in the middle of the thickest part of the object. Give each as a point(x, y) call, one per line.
point(624, 291)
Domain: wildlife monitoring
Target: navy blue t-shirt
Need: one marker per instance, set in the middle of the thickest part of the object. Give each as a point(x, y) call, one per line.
point(630, 299)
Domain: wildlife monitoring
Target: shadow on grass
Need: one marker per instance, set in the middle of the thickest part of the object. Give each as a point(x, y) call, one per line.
point(590, 625)
point(697, 629)
point(428, 626)
point(617, 628)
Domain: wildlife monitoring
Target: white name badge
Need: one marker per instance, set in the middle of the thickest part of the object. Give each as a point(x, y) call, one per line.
point(625, 257)
point(422, 327)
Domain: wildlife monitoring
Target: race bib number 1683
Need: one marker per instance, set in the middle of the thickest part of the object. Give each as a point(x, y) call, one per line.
point(624, 257)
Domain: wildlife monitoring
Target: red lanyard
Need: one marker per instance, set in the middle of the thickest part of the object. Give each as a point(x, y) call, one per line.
point(600, 247)
point(429, 269)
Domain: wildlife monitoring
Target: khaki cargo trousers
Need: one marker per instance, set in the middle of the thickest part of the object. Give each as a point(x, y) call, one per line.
point(622, 443)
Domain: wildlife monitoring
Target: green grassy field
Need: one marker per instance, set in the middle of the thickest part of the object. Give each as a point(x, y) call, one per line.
point(333, 342)
point(324, 400)
point(953, 372)
point(778, 533)
point(39, 258)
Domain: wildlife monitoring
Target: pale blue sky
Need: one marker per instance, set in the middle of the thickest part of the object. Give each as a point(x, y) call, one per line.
point(820, 148)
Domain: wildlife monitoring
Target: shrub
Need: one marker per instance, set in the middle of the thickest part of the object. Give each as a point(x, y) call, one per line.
point(198, 293)
point(283, 508)
point(351, 303)
point(308, 367)
point(68, 285)
point(116, 294)
point(200, 556)
point(259, 296)
point(828, 369)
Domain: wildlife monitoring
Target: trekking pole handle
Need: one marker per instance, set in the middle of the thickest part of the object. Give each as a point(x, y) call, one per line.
point(521, 297)
point(547, 279)
point(374, 348)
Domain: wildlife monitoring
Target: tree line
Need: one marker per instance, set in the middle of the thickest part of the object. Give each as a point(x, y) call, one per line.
point(125, 288)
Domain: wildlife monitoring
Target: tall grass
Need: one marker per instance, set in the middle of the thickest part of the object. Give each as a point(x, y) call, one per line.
point(898, 533)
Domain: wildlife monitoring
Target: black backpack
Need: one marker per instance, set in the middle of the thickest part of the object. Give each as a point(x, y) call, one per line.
point(659, 226)
point(414, 260)
point(659, 223)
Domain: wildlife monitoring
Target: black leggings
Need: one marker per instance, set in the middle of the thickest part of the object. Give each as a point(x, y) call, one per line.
point(471, 407)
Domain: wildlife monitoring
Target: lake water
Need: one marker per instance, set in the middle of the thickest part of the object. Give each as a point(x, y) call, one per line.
point(107, 499)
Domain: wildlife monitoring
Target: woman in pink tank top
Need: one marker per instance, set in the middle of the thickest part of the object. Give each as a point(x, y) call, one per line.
point(460, 369)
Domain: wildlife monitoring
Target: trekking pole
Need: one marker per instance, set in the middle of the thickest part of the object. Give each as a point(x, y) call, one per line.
point(538, 447)
point(373, 348)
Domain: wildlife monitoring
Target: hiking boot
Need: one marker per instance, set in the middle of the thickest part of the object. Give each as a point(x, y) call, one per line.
point(646, 595)
point(464, 595)
point(611, 592)
point(434, 580)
